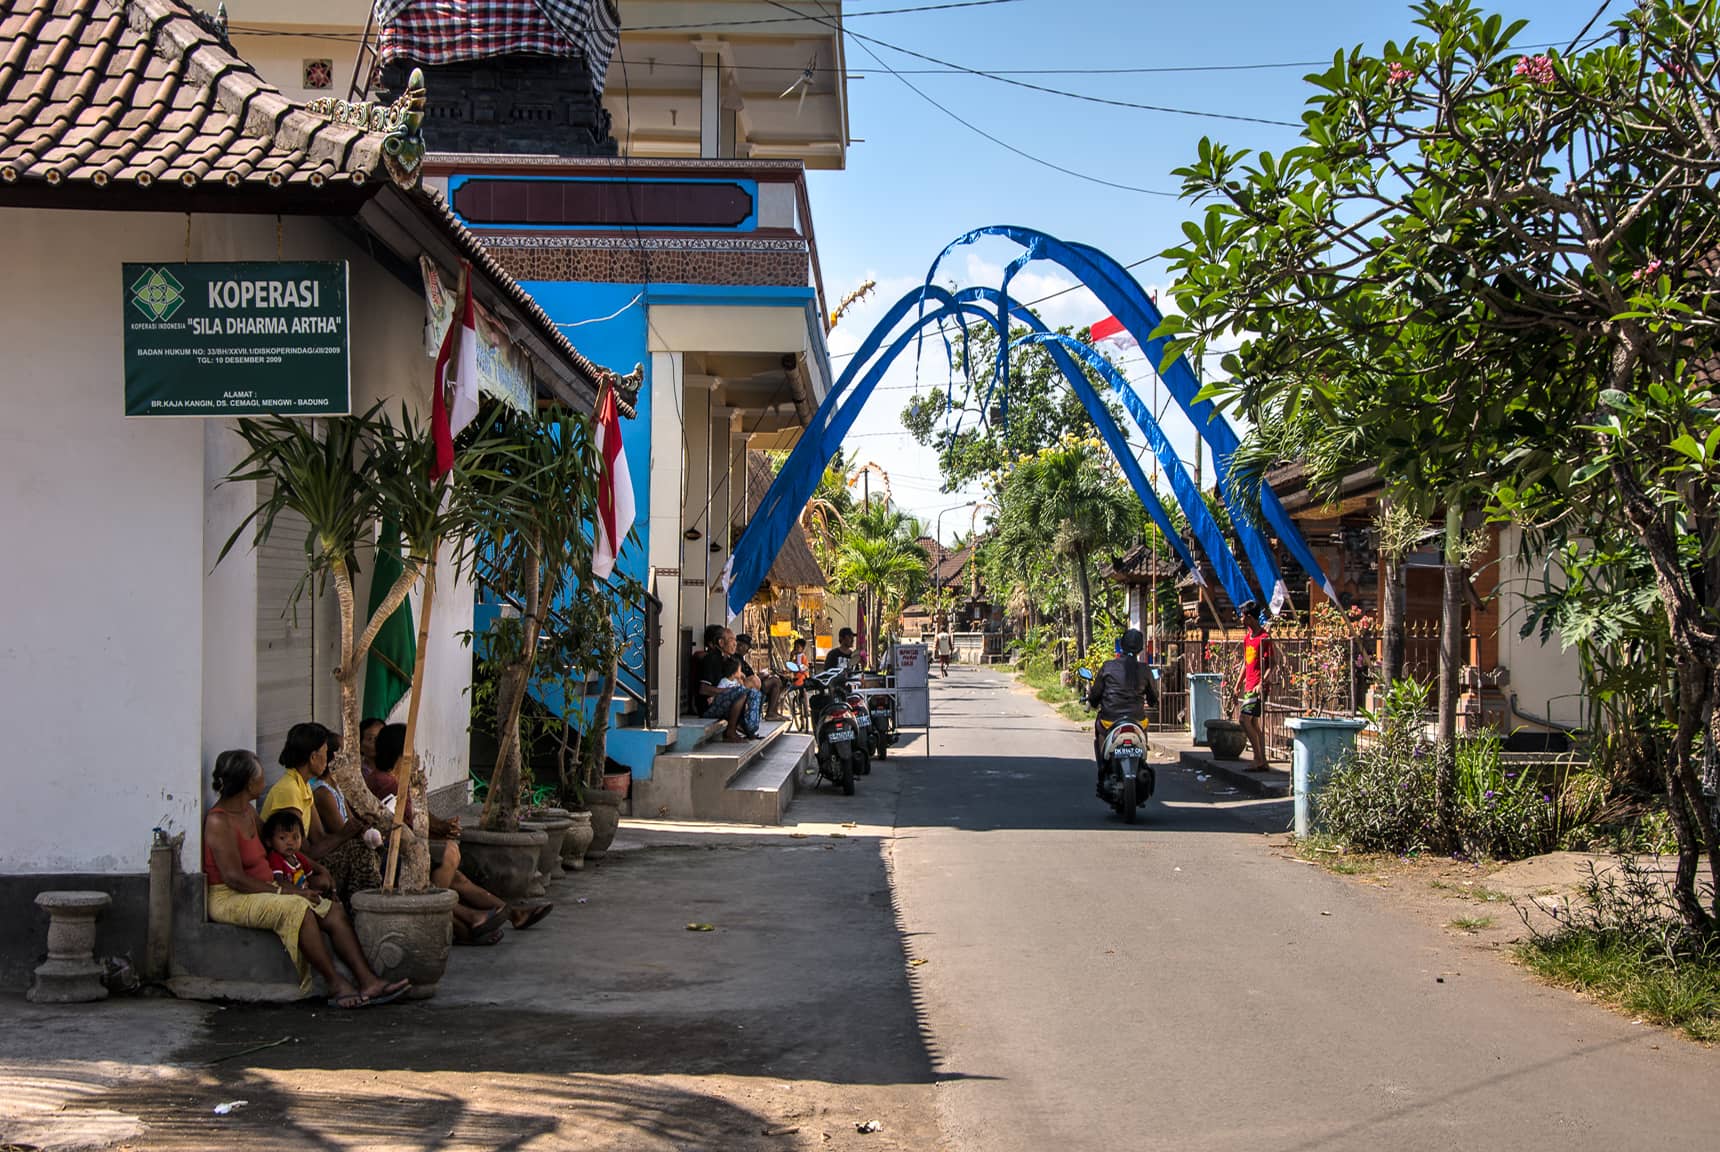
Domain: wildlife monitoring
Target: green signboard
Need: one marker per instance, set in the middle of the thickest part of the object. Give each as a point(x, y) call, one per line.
point(240, 339)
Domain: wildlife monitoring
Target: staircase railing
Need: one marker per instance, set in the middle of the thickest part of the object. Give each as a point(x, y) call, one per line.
point(639, 642)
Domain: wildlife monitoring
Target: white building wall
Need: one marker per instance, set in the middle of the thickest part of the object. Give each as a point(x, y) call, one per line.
point(1546, 678)
point(101, 644)
point(127, 656)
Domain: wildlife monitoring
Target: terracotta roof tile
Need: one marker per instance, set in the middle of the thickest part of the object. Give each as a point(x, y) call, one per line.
point(102, 91)
point(110, 92)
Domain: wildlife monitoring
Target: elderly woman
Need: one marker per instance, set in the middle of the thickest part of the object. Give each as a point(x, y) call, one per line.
point(332, 837)
point(243, 891)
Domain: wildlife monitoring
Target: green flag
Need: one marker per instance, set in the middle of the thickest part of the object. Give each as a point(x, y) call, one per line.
point(388, 672)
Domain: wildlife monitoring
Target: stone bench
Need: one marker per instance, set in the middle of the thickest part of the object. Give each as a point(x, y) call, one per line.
point(223, 961)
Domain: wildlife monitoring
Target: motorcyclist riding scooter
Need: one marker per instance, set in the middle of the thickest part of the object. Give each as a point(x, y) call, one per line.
point(1122, 692)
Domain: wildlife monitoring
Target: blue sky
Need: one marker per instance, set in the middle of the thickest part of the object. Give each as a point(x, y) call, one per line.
point(918, 179)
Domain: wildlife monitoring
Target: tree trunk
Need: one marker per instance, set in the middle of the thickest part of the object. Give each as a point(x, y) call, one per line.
point(502, 804)
point(1083, 626)
point(1450, 662)
point(347, 768)
point(1391, 620)
point(407, 773)
point(598, 739)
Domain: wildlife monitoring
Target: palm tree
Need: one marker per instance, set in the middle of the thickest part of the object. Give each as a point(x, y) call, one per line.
point(893, 569)
point(1066, 500)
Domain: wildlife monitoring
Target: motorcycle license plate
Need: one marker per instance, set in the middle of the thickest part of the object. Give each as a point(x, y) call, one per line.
point(863, 721)
point(841, 736)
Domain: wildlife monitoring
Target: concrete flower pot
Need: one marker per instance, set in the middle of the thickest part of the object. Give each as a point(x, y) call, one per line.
point(406, 934)
point(1226, 739)
point(503, 862)
point(554, 829)
point(577, 841)
point(605, 808)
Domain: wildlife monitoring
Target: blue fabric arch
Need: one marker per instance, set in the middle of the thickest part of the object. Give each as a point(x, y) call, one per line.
point(1119, 292)
point(800, 474)
point(1201, 523)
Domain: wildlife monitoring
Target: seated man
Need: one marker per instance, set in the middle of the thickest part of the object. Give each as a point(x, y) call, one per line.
point(843, 654)
point(766, 681)
point(480, 915)
point(739, 705)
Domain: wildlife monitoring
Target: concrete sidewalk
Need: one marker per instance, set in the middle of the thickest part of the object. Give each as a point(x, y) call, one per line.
point(610, 1025)
point(1273, 784)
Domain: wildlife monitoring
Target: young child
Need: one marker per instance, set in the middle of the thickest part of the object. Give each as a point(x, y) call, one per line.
point(284, 835)
point(731, 674)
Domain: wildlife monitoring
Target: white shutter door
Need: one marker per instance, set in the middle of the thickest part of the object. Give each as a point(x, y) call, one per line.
point(286, 648)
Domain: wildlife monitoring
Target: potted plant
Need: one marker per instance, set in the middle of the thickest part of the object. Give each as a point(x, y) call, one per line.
point(532, 550)
point(345, 476)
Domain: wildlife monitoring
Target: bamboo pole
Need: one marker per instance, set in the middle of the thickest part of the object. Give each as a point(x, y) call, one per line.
point(408, 756)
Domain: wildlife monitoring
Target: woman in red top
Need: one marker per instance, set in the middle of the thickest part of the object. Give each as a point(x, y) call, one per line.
point(1253, 681)
point(244, 891)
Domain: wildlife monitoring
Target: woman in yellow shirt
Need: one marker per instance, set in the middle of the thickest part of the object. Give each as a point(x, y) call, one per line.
point(343, 851)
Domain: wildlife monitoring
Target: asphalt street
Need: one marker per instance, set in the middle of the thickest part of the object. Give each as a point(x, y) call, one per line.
point(1175, 984)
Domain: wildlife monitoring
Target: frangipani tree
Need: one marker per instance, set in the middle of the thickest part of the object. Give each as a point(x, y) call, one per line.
point(1501, 264)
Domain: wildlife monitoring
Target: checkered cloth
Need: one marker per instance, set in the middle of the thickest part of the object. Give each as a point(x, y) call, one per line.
point(448, 31)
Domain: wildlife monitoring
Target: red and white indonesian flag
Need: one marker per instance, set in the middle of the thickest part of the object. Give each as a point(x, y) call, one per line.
point(1110, 331)
point(454, 403)
point(614, 486)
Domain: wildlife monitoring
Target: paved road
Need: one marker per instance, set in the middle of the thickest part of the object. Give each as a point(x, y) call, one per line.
point(1088, 985)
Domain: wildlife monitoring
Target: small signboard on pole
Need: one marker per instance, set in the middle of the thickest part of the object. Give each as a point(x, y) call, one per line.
point(237, 339)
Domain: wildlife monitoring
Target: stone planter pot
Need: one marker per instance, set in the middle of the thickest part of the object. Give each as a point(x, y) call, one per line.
point(620, 783)
point(503, 862)
point(1226, 739)
point(554, 829)
point(605, 810)
point(578, 840)
point(406, 934)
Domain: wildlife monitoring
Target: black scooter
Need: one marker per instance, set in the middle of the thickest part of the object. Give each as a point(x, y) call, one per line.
point(1129, 779)
point(838, 746)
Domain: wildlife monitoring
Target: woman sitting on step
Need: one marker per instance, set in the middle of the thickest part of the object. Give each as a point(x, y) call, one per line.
point(244, 892)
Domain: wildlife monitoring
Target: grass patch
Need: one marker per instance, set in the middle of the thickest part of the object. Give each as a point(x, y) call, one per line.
point(1047, 684)
point(1471, 923)
point(1634, 977)
point(1331, 854)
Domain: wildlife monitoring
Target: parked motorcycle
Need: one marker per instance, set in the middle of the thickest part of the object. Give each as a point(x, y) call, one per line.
point(882, 706)
point(1129, 779)
point(837, 747)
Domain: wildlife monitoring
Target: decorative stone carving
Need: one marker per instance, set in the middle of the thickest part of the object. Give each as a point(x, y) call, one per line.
point(406, 934)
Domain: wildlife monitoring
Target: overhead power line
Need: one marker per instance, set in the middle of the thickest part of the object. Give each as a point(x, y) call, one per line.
point(865, 40)
point(975, 128)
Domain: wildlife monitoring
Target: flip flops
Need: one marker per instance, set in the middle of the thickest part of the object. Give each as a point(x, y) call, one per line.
point(353, 1001)
point(534, 916)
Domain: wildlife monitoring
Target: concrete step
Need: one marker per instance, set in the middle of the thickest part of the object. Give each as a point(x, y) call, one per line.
point(688, 785)
point(762, 792)
point(694, 731)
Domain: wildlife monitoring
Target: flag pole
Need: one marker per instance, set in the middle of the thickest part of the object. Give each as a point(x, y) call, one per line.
point(408, 756)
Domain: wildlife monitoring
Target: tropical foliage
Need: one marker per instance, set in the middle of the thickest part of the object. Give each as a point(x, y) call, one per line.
point(1494, 269)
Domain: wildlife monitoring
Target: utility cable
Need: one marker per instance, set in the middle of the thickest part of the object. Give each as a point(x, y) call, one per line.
point(1004, 144)
point(1001, 79)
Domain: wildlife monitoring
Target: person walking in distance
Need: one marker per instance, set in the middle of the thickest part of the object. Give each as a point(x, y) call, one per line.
point(945, 647)
point(1253, 681)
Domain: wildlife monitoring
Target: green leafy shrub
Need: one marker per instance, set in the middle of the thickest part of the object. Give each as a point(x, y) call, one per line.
point(1380, 797)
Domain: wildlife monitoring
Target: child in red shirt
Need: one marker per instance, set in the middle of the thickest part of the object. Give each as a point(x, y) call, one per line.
point(284, 835)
